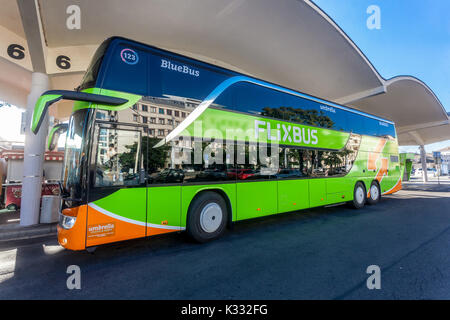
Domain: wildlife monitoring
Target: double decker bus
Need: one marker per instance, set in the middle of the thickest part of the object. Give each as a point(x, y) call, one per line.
point(158, 142)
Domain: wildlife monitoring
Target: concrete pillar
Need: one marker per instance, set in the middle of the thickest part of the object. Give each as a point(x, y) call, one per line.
point(423, 161)
point(33, 155)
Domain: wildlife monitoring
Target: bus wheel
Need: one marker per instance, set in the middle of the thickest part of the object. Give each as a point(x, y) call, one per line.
point(374, 193)
point(207, 217)
point(359, 196)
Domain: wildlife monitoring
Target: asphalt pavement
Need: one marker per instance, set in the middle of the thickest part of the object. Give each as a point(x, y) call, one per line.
point(320, 253)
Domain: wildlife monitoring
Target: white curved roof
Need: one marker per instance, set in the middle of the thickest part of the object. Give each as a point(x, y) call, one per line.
point(289, 42)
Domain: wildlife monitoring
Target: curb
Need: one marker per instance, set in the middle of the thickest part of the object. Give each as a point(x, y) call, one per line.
point(16, 232)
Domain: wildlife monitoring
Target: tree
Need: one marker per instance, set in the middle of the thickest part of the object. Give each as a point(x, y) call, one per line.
point(308, 117)
point(153, 158)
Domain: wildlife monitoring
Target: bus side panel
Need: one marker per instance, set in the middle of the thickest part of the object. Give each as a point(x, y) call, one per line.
point(317, 192)
point(339, 189)
point(119, 216)
point(293, 195)
point(256, 199)
point(164, 209)
point(189, 192)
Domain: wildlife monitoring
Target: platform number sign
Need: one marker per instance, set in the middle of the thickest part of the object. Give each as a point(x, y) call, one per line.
point(17, 52)
point(63, 62)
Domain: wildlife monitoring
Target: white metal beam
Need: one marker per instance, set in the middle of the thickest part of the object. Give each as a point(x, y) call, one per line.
point(361, 95)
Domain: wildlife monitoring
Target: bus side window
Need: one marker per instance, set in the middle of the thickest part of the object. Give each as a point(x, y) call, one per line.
point(118, 157)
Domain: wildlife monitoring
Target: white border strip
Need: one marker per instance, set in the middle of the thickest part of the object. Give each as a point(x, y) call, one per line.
point(139, 223)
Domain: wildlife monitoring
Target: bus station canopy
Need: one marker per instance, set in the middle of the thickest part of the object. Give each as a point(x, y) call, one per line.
point(288, 42)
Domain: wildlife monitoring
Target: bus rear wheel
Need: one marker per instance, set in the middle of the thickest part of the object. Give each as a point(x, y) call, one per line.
point(359, 195)
point(374, 193)
point(207, 217)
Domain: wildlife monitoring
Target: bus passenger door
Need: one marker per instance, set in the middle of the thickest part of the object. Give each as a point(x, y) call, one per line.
point(117, 197)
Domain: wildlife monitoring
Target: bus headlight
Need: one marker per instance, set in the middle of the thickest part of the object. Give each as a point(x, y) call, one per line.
point(66, 222)
point(68, 217)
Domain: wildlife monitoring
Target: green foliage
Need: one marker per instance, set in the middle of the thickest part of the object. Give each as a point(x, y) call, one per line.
point(308, 117)
point(153, 158)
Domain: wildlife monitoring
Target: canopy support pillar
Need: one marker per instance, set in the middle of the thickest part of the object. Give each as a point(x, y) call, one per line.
point(33, 160)
point(423, 161)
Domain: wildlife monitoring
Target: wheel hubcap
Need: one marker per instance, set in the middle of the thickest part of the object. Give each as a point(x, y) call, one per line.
point(374, 192)
point(359, 195)
point(211, 217)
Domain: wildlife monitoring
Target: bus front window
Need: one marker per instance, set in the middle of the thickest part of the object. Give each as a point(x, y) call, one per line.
point(75, 154)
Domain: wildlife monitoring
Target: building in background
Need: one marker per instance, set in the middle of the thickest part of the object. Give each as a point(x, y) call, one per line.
point(445, 164)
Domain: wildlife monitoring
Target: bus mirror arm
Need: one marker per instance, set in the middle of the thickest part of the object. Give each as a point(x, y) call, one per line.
point(55, 132)
point(50, 97)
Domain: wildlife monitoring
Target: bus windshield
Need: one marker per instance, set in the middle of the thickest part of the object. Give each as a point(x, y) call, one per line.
point(75, 154)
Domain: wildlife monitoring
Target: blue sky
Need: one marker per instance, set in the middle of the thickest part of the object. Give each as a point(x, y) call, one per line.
point(414, 39)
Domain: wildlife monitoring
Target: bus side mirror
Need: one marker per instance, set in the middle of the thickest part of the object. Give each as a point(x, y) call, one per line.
point(50, 97)
point(55, 134)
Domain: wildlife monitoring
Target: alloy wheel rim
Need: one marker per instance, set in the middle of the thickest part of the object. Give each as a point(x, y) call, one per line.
point(374, 192)
point(211, 217)
point(360, 195)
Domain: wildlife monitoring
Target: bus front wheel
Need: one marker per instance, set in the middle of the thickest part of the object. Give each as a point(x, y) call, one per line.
point(359, 195)
point(207, 217)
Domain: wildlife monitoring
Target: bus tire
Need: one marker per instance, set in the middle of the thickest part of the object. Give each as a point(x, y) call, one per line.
point(374, 193)
point(207, 217)
point(359, 195)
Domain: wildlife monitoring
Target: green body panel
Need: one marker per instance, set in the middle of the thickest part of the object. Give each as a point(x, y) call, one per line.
point(214, 123)
point(40, 108)
point(132, 99)
point(293, 195)
point(128, 203)
point(189, 192)
point(164, 204)
point(317, 192)
point(256, 199)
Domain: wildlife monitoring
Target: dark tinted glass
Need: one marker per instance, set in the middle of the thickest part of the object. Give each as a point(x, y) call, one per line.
point(180, 78)
point(207, 161)
point(258, 100)
point(385, 129)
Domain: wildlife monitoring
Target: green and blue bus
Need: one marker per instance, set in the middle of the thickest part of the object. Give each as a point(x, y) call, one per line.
point(158, 142)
